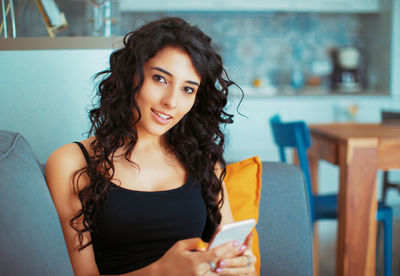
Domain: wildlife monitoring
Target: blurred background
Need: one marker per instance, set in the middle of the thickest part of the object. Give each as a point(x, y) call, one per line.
point(314, 60)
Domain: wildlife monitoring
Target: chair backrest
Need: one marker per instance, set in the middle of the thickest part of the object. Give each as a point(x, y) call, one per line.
point(295, 135)
point(285, 232)
point(31, 238)
point(390, 117)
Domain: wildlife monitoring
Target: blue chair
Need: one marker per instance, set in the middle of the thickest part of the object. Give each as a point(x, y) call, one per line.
point(296, 135)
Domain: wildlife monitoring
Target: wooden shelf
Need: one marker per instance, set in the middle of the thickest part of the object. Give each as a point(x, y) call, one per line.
point(47, 43)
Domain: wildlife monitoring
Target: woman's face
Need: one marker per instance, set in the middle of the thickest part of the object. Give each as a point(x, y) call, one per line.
point(168, 91)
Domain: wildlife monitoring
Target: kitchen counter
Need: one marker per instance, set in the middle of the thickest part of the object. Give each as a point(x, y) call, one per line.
point(318, 91)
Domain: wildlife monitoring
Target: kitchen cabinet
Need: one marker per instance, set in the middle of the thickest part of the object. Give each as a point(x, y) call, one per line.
point(357, 6)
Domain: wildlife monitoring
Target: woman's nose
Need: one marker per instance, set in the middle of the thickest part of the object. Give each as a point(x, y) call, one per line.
point(170, 98)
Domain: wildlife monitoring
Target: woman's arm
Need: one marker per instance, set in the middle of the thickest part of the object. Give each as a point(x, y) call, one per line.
point(226, 211)
point(60, 168)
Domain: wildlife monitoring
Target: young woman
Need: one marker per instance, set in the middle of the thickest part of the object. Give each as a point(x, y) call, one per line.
point(137, 197)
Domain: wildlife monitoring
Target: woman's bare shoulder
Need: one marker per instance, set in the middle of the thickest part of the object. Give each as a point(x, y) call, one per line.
point(69, 155)
point(65, 161)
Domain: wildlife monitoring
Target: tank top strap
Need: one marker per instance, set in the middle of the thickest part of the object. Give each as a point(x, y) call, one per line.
point(84, 151)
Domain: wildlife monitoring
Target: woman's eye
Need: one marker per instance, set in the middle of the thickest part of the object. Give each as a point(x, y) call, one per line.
point(188, 90)
point(159, 78)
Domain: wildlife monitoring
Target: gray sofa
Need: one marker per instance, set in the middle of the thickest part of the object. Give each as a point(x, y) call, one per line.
point(32, 243)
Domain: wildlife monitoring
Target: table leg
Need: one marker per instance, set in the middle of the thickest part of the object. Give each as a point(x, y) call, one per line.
point(357, 226)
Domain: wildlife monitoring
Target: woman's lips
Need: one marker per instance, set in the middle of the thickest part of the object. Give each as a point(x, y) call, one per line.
point(160, 117)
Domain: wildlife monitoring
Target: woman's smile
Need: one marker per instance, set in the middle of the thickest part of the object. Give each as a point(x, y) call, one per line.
point(161, 118)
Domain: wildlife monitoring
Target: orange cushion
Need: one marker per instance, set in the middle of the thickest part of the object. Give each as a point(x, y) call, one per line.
point(243, 184)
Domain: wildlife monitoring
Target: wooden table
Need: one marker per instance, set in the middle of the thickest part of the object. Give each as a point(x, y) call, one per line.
point(359, 150)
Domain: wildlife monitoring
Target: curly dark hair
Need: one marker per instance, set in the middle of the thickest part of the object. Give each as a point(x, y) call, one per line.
point(197, 140)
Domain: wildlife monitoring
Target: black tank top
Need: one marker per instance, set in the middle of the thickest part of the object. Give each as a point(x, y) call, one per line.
point(135, 228)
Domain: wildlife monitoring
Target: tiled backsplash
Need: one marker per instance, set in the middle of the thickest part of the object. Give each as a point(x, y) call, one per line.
point(267, 45)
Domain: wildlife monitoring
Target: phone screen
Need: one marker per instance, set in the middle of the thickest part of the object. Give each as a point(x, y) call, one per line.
point(236, 231)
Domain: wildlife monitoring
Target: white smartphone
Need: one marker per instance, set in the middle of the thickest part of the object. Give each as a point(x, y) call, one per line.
point(236, 231)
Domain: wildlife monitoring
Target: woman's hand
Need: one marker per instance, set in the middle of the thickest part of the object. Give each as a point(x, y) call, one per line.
point(186, 257)
point(242, 264)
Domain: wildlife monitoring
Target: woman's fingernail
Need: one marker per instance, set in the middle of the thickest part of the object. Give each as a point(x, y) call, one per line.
point(222, 263)
point(235, 243)
point(218, 270)
point(242, 248)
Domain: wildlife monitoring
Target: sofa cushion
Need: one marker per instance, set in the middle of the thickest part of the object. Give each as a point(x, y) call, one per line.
point(243, 184)
point(31, 238)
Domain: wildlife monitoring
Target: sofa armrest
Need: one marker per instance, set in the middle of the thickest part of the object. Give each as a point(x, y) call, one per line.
point(31, 238)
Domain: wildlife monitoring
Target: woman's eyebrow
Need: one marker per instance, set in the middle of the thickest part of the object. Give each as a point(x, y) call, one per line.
point(162, 70)
point(193, 82)
point(169, 74)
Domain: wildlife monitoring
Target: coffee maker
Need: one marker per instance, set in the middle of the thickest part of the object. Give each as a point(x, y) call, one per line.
point(348, 74)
